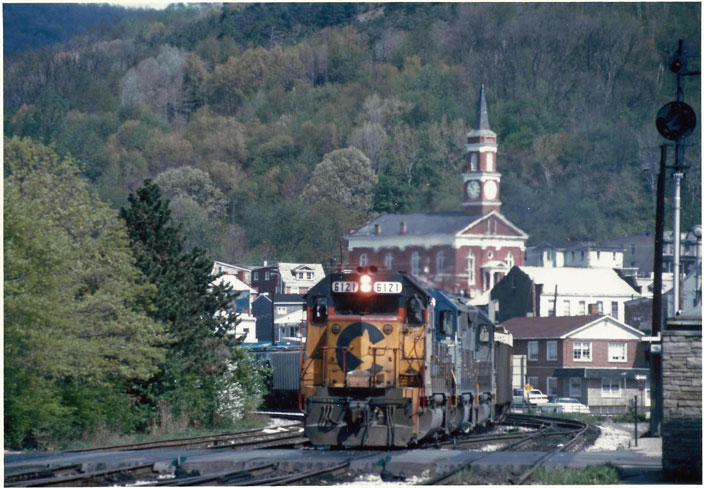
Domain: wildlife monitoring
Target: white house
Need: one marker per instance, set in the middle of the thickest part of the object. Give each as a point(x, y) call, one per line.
point(574, 254)
point(543, 292)
point(242, 297)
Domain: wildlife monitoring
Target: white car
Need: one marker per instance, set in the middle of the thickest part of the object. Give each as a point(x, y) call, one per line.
point(536, 397)
point(571, 405)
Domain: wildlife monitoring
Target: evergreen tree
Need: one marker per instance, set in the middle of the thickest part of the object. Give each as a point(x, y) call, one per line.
point(197, 314)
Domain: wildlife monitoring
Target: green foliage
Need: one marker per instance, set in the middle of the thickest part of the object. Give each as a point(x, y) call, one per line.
point(257, 95)
point(73, 306)
point(606, 474)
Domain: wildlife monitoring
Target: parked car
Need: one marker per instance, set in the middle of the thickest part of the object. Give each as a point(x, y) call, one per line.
point(571, 405)
point(536, 397)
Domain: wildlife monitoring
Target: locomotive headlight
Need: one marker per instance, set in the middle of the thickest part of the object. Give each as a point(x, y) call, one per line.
point(335, 328)
point(388, 329)
point(365, 284)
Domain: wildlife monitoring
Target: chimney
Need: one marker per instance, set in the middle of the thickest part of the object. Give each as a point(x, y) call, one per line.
point(593, 309)
point(403, 227)
point(377, 229)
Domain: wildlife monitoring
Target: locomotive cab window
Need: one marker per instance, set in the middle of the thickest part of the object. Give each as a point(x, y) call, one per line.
point(320, 310)
point(414, 310)
point(447, 323)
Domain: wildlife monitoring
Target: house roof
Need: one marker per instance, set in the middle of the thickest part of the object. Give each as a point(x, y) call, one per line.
point(280, 298)
point(580, 281)
point(547, 327)
point(424, 224)
point(234, 282)
point(287, 273)
point(560, 327)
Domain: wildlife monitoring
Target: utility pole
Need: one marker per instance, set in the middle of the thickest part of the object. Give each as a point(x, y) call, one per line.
point(675, 121)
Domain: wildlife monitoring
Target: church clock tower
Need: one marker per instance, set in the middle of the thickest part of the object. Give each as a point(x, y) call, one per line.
point(481, 180)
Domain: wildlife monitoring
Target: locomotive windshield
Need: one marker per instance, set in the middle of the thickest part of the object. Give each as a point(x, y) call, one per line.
point(361, 304)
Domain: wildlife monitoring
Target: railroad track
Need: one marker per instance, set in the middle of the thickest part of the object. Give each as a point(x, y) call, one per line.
point(251, 439)
point(267, 474)
point(546, 427)
point(72, 475)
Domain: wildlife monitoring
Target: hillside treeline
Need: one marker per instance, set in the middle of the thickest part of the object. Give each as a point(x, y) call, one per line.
point(246, 115)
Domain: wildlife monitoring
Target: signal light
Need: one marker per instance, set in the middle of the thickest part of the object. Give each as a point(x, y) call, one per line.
point(365, 283)
point(676, 65)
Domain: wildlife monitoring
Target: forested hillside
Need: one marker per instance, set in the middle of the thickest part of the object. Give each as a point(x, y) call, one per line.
point(239, 112)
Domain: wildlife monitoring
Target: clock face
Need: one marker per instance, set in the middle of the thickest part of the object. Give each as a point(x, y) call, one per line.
point(490, 190)
point(473, 189)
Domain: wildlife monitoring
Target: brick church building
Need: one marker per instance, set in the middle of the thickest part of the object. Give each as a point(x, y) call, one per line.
point(464, 252)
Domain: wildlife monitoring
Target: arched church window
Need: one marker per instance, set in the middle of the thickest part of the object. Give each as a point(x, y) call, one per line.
point(440, 262)
point(470, 268)
point(363, 259)
point(509, 260)
point(389, 261)
point(415, 263)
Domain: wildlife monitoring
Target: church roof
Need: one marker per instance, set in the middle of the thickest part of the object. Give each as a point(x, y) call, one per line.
point(425, 224)
point(418, 224)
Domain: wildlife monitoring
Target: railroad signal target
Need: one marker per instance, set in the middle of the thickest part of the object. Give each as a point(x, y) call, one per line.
point(676, 120)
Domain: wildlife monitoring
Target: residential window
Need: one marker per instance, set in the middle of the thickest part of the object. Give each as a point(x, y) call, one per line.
point(582, 351)
point(256, 276)
point(415, 263)
point(533, 381)
point(281, 310)
point(600, 307)
point(582, 307)
point(440, 262)
point(575, 387)
point(309, 276)
point(267, 275)
point(633, 249)
point(470, 268)
point(509, 260)
point(566, 308)
point(363, 259)
point(614, 310)
point(551, 307)
point(552, 386)
point(618, 351)
point(610, 388)
point(552, 350)
point(532, 350)
point(389, 261)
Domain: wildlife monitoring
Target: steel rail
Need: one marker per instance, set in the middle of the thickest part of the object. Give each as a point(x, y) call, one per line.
point(543, 459)
point(566, 427)
point(217, 440)
point(92, 478)
point(223, 477)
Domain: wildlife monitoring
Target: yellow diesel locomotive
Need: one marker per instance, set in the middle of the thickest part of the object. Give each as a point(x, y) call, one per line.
point(390, 362)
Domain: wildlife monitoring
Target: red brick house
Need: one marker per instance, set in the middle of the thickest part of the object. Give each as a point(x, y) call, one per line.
point(596, 359)
point(463, 252)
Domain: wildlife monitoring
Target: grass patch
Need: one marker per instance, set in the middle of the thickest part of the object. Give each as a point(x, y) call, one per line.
point(106, 438)
point(604, 474)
